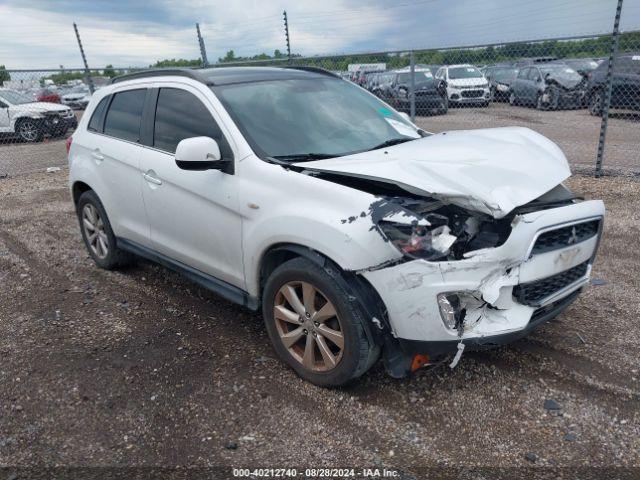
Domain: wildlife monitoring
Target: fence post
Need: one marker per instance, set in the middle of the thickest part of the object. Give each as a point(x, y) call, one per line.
point(615, 37)
point(412, 87)
point(203, 51)
point(286, 35)
point(87, 72)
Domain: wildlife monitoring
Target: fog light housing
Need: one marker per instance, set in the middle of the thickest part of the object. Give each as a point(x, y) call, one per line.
point(454, 305)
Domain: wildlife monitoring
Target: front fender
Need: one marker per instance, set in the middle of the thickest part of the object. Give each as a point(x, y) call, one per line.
point(352, 246)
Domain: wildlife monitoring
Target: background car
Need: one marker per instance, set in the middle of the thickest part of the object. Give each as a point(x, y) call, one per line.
point(625, 91)
point(430, 93)
point(548, 86)
point(48, 95)
point(31, 121)
point(77, 97)
point(465, 85)
point(500, 79)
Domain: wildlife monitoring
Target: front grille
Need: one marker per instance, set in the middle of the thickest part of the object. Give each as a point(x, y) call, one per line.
point(533, 293)
point(565, 236)
point(554, 308)
point(472, 93)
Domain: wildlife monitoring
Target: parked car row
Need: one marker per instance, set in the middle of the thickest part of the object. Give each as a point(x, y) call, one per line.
point(546, 83)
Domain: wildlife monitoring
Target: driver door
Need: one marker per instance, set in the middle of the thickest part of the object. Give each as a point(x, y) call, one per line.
point(194, 216)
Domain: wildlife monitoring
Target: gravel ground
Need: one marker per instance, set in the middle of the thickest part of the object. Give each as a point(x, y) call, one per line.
point(575, 131)
point(143, 368)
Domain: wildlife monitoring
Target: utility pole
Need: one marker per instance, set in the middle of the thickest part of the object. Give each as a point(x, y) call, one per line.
point(87, 73)
point(203, 51)
point(615, 36)
point(286, 34)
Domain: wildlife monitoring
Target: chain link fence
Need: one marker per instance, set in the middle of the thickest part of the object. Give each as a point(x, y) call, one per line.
point(572, 90)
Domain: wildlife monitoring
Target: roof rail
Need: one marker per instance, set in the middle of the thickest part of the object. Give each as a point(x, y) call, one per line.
point(321, 71)
point(181, 72)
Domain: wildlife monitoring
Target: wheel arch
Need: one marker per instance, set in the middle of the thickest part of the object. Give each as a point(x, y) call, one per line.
point(77, 189)
point(363, 292)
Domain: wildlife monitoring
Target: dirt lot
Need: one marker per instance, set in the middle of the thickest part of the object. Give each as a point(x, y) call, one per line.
point(143, 368)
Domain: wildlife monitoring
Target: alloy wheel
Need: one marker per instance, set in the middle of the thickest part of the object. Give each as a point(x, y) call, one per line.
point(94, 231)
point(308, 326)
point(28, 131)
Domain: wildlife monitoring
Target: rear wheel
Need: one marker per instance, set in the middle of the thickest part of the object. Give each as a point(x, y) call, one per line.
point(314, 326)
point(97, 233)
point(513, 101)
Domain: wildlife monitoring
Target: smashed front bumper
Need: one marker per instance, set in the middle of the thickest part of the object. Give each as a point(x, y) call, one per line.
point(519, 285)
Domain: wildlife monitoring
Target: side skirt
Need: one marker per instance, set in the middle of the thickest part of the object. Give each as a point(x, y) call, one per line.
point(220, 287)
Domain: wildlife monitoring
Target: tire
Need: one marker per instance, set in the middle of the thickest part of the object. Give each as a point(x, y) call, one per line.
point(304, 335)
point(102, 247)
point(29, 130)
point(539, 104)
point(596, 102)
point(513, 101)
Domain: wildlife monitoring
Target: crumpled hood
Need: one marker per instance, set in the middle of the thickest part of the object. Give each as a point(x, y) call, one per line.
point(40, 107)
point(565, 82)
point(489, 170)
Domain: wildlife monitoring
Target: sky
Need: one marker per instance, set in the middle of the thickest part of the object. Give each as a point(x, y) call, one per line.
point(39, 33)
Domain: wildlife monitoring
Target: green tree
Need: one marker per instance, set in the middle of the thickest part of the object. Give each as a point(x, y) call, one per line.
point(109, 71)
point(4, 75)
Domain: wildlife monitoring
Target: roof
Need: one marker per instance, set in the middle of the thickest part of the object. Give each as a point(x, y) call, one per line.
point(230, 75)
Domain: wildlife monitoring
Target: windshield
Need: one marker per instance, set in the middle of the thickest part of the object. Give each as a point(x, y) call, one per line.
point(561, 73)
point(507, 74)
point(14, 98)
point(319, 116)
point(420, 77)
point(456, 73)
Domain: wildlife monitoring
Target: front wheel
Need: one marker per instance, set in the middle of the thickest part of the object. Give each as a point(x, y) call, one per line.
point(513, 101)
point(315, 325)
point(30, 130)
point(596, 102)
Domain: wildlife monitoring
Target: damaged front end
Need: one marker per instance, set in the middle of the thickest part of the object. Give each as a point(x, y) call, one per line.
point(458, 283)
point(559, 94)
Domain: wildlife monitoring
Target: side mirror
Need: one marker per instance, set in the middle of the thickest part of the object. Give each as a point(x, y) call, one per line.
point(200, 153)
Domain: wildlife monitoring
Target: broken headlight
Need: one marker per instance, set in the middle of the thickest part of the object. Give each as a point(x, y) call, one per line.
point(419, 241)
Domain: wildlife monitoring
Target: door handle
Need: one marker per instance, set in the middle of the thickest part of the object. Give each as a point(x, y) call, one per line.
point(97, 155)
point(151, 179)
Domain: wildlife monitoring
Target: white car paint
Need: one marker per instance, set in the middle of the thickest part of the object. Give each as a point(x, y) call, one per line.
point(225, 231)
point(492, 170)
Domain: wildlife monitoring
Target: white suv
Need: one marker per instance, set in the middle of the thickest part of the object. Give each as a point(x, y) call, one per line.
point(355, 232)
point(30, 120)
point(466, 85)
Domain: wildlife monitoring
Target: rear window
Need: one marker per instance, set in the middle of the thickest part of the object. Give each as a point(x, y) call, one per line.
point(125, 115)
point(95, 124)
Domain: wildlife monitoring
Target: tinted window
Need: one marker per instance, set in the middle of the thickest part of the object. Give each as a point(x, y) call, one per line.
point(95, 124)
point(124, 115)
point(181, 115)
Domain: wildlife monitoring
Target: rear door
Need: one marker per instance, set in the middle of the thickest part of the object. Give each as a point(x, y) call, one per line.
point(193, 215)
point(520, 84)
point(112, 145)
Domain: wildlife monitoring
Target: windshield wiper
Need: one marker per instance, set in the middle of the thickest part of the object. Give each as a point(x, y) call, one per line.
point(391, 142)
point(304, 157)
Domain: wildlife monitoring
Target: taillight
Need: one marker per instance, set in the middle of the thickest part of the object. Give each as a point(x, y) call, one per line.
point(68, 143)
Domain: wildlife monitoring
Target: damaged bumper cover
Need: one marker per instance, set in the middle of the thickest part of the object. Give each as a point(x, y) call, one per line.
point(504, 291)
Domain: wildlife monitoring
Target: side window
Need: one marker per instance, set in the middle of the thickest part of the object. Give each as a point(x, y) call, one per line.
point(534, 74)
point(125, 114)
point(180, 115)
point(522, 74)
point(95, 124)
